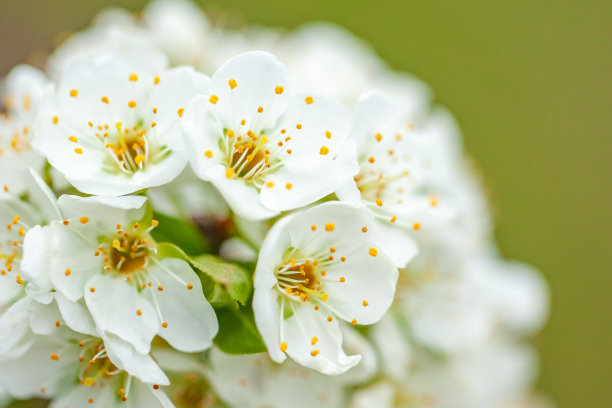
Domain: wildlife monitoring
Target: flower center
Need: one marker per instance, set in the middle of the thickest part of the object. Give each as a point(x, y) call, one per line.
point(129, 255)
point(301, 279)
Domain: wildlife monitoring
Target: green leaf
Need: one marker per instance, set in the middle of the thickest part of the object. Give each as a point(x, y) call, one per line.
point(168, 250)
point(230, 281)
point(237, 331)
point(181, 233)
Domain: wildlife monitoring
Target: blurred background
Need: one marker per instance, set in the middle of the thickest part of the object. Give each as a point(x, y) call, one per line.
point(529, 82)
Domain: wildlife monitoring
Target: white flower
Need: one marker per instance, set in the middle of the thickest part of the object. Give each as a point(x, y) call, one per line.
point(102, 251)
point(255, 381)
point(76, 369)
point(116, 32)
point(315, 268)
point(23, 89)
point(25, 202)
point(180, 28)
point(404, 169)
point(264, 149)
point(112, 128)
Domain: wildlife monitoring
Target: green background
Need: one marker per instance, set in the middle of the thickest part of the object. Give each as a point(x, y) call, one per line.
point(529, 81)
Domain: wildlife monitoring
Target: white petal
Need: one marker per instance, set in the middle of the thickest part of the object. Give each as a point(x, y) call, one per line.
point(125, 357)
point(113, 305)
point(192, 323)
point(299, 330)
point(14, 325)
point(37, 247)
point(75, 315)
point(257, 74)
point(243, 199)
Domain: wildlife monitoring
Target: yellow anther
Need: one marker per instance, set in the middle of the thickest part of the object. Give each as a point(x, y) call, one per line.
point(313, 227)
point(55, 120)
point(314, 353)
point(378, 137)
point(67, 272)
point(279, 90)
point(54, 357)
point(283, 346)
point(213, 99)
point(309, 100)
point(229, 172)
point(354, 322)
point(416, 226)
point(270, 184)
point(154, 223)
point(314, 340)
point(160, 288)
point(16, 219)
point(78, 150)
point(19, 280)
point(328, 134)
point(133, 77)
point(132, 104)
point(84, 220)
point(330, 226)
point(180, 112)
point(139, 159)
point(371, 160)
point(298, 126)
point(324, 150)
point(393, 219)
point(74, 93)
point(156, 80)
point(379, 202)
point(342, 279)
point(208, 154)
point(189, 286)
point(73, 139)
point(364, 229)
point(288, 186)
point(232, 83)
point(88, 382)
point(138, 312)
point(329, 318)
point(365, 303)
point(373, 251)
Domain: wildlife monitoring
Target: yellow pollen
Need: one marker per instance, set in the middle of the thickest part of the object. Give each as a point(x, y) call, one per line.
point(324, 150)
point(180, 112)
point(243, 122)
point(68, 272)
point(74, 93)
point(232, 83)
point(379, 202)
point(342, 279)
point(92, 290)
point(66, 222)
point(160, 288)
point(416, 226)
point(165, 325)
point(88, 382)
point(208, 154)
point(313, 227)
point(154, 223)
point(328, 134)
point(189, 286)
point(83, 220)
point(19, 280)
point(55, 120)
point(132, 104)
point(54, 357)
point(393, 219)
point(329, 318)
point(372, 252)
point(260, 109)
point(354, 322)
point(229, 172)
point(298, 126)
point(270, 184)
point(330, 226)
point(73, 139)
point(279, 90)
point(371, 160)
point(283, 345)
point(156, 80)
point(288, 186)
point(213, 99)
point(133, 77)
point(314, 353)
point(20, 231)
point(365, 303)
point(139, 312)
point(155, 111)
point(309, 100)
point(364, 229)
point(332, 249)
point(153, 124)
point(16, 219)
point(316, 308)
point(378, 137)
point(78, 150)
point(139, 159)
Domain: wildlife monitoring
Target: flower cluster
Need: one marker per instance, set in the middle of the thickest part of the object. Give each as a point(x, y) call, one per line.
point(199, 216)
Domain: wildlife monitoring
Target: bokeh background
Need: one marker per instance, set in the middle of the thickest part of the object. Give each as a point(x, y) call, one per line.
point(530, 83)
